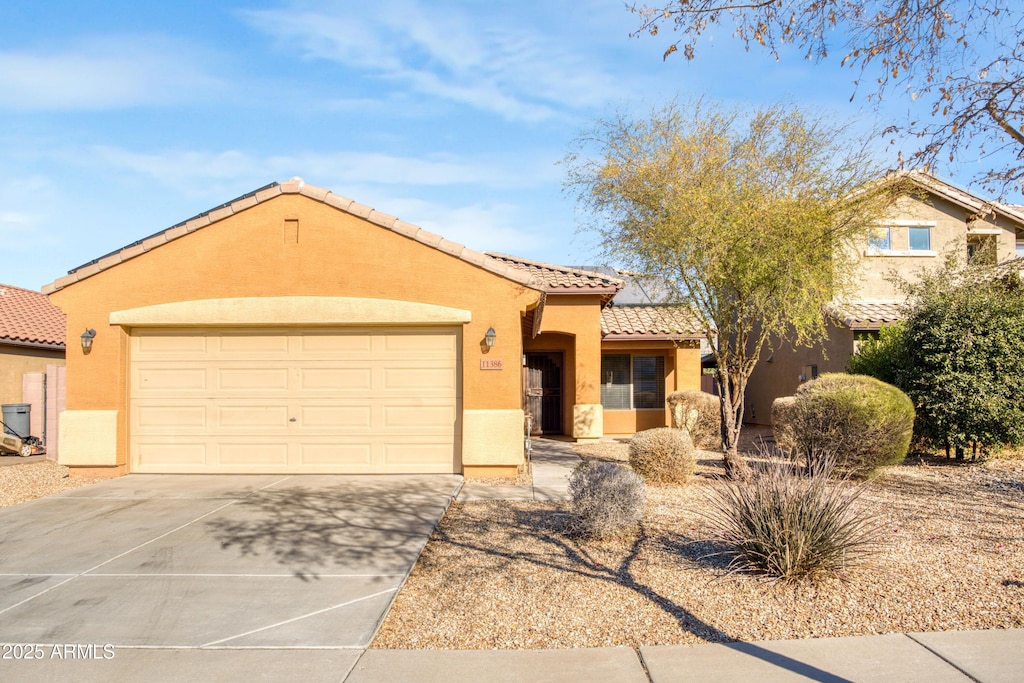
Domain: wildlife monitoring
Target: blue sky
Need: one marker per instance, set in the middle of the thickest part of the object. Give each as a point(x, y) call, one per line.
point(119, 119)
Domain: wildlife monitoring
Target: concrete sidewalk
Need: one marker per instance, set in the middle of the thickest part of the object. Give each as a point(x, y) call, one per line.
point(552, 462)
point(982, 656)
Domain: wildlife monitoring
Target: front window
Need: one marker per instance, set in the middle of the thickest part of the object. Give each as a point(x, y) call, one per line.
point(632, 382)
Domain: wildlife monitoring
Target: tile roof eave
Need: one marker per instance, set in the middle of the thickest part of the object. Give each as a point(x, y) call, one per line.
point(961, 198)
point(31, 344)
point(295, 186)
point(647, 336)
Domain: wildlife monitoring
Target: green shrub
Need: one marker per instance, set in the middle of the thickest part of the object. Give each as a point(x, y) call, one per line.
point(859, 422)
point(782, 423)
point(790, 527)
point(706, 432)
point(606, 498)
point(663, 455)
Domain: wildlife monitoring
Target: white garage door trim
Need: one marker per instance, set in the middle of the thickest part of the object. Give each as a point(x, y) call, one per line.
point(295, 400)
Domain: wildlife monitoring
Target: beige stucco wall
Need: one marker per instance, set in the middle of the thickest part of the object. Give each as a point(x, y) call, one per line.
point(255, 254)
point(949, 234)
point(15, 361)
point(781, 375)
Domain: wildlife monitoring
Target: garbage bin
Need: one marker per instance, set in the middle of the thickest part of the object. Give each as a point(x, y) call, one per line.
point(17, 419)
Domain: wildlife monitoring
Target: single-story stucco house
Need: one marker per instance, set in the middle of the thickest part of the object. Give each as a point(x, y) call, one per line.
point(32, 359)
point(295, 331)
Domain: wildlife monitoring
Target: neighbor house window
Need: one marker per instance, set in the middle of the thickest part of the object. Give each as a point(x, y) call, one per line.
point(1020, 249)
point(920, 239)
point(881, 238)
point(632, 382)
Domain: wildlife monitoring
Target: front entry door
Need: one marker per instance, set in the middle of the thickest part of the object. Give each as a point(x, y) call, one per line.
point(544, 391)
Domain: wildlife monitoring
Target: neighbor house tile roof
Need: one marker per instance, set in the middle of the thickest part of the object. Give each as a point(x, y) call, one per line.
point(27, 318)
point(649, 322)
point(562, 279)
point(867, 315)
point(298, 186)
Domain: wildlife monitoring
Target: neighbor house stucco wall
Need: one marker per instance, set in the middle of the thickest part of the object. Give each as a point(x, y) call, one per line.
point(15, 361)
point(293, 246)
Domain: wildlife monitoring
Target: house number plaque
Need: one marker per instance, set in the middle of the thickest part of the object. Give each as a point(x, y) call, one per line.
point(491, 364)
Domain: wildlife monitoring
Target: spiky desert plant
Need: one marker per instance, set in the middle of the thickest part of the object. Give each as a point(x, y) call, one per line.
point(790, 526)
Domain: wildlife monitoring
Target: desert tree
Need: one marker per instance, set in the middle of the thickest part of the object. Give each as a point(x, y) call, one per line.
point(748, 218)
point(963, 60)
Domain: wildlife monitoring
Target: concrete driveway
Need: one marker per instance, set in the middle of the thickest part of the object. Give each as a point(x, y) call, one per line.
point(208, 577)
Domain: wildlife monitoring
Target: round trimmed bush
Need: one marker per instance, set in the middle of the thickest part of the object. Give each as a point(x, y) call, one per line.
point(782, 423)
point(606, 498)
point(858, 422)
point(663, 455)
point(706, 432)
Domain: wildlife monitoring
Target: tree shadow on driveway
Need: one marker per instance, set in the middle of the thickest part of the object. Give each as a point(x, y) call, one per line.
point(370, 526)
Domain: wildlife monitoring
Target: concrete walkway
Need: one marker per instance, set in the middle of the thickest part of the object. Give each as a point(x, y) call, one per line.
point(552, 461)
point(982, 656)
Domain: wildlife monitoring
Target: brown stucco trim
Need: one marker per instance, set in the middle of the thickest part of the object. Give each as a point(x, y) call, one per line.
point(298, 186)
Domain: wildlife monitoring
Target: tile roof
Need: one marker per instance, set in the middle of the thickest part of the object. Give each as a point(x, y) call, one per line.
point(297, 186)
point(27, 318)
point(867, 315)
point(562, 279)
point(660, 322)
point(963, 198)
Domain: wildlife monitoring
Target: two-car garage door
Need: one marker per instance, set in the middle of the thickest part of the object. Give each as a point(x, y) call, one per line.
point(373, 400)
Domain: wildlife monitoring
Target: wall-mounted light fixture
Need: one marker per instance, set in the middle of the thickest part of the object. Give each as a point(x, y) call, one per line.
point(490, 337)
point(87, 338)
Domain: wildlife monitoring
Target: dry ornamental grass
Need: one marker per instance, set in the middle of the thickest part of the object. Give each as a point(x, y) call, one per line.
point(509, 575)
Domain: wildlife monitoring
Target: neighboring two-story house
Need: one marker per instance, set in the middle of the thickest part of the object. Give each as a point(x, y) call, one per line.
point(933, 222)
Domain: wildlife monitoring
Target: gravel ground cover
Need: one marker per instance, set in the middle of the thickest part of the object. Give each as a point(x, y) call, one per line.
point(19, 483)
point(506, 575)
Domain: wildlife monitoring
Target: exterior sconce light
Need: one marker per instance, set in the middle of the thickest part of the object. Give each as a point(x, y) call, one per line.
point(87, 338)
point(490, 337)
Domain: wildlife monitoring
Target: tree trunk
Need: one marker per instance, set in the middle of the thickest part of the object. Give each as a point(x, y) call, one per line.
point(736, 467)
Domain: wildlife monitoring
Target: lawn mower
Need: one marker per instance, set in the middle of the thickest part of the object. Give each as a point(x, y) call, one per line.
point(12, 443)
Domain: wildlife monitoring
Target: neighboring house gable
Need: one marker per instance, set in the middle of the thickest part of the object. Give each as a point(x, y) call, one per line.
point(934, 222)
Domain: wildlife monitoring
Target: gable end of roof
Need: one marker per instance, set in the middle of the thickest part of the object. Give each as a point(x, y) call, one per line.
point(296, 186)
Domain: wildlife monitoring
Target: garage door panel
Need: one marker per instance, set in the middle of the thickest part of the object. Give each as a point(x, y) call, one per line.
point(423, 418)
point(173, 455)
point(416, 453)
point(259, 417)
point(252, 379)
point(169, 346)
point(252, 345)
point(335, 379)
point(334, 454)
point(440, 345)
point(248, 453)
point(163, 380)
point(363, 401)
point(164, 417)
point(334, 345)
point(426, 380)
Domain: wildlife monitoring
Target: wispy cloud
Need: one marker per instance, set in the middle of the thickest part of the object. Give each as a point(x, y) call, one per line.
point(202, 173)
point(517, 71)
point(103, 73)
